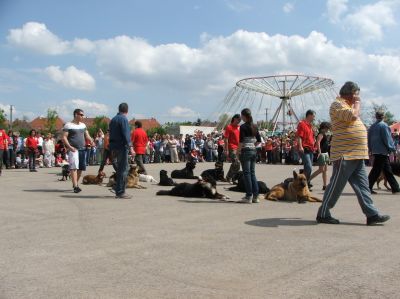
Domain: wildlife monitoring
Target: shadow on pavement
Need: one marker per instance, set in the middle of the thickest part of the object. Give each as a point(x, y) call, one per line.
point(88, 196)
point(205, 201)
point(48, 190)
point(276, 222)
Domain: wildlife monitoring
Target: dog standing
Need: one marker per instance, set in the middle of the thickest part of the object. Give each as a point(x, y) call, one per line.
point(65, 172)
point(165, 180)
point(396, 171)
point(292, 189)
point(186, 173)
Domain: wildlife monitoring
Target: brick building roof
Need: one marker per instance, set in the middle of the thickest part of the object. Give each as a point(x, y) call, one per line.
point(147, 123)
point(39, 123)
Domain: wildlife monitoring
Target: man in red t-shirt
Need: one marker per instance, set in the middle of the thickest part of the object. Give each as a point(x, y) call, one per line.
point(139, 140)
point(3, 146)
point(306, 141)
point(231, 136)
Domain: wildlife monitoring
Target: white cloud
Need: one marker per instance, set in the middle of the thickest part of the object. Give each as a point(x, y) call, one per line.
point(237, 6)
point(182, 112)
point(90, 108)
point(288, 7)
point(71, 77)
point(335, 9)
point(36, 37)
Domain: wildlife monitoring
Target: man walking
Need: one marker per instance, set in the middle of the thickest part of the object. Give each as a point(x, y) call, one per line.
point(306, 142)
point(120, 143)
point(348, 151)
point(74, 139)
point(380, 145)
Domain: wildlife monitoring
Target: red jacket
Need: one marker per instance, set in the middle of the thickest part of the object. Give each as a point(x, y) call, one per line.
point(31, 142)
point(139, 140)
point(3, 139)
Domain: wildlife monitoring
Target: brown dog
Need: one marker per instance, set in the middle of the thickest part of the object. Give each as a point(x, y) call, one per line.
point(92, 179)
point(132, 180)
point(292, 189)
point(385, 182)
point(111, 180)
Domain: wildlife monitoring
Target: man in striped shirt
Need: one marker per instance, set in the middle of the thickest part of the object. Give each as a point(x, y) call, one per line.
point(349, 148)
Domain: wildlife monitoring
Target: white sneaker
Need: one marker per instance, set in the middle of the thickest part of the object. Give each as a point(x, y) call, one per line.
point(245, 200)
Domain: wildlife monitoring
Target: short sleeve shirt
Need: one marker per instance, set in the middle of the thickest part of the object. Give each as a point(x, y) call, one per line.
point(76, 134)
point(232, 134)
point(306, 133)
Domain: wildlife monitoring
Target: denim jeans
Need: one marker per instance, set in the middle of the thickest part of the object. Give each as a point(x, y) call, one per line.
point(307, 158)
point(248, 161)
point(120, 164)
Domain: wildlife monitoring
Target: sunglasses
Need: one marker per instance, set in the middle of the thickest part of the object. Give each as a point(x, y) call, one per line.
point(81, 114)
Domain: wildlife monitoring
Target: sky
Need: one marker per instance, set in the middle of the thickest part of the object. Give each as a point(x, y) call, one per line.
point(177, 60)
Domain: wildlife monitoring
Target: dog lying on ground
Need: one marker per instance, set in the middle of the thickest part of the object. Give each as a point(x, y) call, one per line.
point(203, 188)
point(396, 171)
point(132, 180)
point(65, 172)
point(186, 173)
point(165, 180)
point(217, 173)
point(233, 170)
point(146, 178)
point(292, 189)
point(240, 186)
point(92, 179)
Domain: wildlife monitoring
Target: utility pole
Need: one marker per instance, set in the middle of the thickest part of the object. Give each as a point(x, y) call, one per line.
point(266, 115)
point(11, 111)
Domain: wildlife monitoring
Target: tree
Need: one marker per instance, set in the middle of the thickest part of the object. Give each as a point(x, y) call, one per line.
point(389, 117)
point(52, 116)
point(22, 126)
point(158, 130)
point(3, 118)
point(99, 122)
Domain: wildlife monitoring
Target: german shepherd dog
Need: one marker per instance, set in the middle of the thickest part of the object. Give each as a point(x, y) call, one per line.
point(111, 180)
point(186, 173)
point(203, 188)
point(132, 180)
point(233, 170)
point(238, 179)
point(92, 179)
point(396, 171)
point(165, 180)
point(292, 189)
point(65, 172)
point(217, 173)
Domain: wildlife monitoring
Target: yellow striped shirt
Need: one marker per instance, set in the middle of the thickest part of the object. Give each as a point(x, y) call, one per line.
point(349, 140)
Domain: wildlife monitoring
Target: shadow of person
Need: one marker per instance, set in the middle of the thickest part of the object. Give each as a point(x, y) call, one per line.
point(276, 222)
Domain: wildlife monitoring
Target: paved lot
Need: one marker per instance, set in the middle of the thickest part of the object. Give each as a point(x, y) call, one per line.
point(57, 244)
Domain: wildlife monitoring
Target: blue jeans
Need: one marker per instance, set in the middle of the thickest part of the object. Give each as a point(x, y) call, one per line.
point(120, 164)
point(307, 158)
point(248, 161)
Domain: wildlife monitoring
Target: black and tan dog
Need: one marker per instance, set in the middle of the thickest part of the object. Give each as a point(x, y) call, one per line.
point(203, 188)
point(91, 179)
point(186, 173)
point(65, 172)
point(217, 173)
point(132, 180)
point(238, 179)
point(396, 171)
point(165, 180)
point(233, 170)
point(292, 189)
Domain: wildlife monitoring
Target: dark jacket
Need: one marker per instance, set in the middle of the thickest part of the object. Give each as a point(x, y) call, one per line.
point(120, 132)
point(380, 140)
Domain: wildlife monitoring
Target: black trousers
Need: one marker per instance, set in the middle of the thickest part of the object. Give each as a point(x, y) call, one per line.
point(382, 163)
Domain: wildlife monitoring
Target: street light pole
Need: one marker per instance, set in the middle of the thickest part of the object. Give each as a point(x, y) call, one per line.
point(11, 111)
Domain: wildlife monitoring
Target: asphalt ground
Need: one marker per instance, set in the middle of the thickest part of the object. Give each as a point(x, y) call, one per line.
point(58, 244)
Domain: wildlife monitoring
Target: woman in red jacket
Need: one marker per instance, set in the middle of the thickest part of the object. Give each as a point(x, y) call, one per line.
point(139, 140)
point(32, 146)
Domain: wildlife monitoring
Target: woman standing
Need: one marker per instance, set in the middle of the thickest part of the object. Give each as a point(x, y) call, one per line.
point(32, 148)
point(249, 137)
point(322, 145)
point(99, 142)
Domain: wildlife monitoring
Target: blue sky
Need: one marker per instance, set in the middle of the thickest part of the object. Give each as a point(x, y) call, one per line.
point(177, 60)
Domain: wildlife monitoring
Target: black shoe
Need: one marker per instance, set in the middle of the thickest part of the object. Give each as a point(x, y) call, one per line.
point(377, 219)
point(77, 189)
point(123, 196)
point(328, 220)
point(395, 191)
point(373, 192)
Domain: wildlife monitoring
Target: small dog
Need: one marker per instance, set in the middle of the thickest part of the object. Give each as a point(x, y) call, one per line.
point(186, 173)
point(132, 180)
point(203, 188)
point(92, 179)
point(396, 171)
point(240, 186)
point(146, 178)
point(165, 180)
point(65, 172)
point(233, 170)
point(292, 189)
point(217, 173)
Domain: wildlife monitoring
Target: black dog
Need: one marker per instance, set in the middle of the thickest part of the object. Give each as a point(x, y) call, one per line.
point(233, 170)
point(186, 173)
point(65, 172)
point(203, 188)
point(165, 180)
point(240, 187)
point(217, 173)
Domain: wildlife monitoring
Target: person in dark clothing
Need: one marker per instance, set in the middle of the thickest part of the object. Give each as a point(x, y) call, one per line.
point(120, 144)
point(248, 139)
point(380, 145)
point(322, 145)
